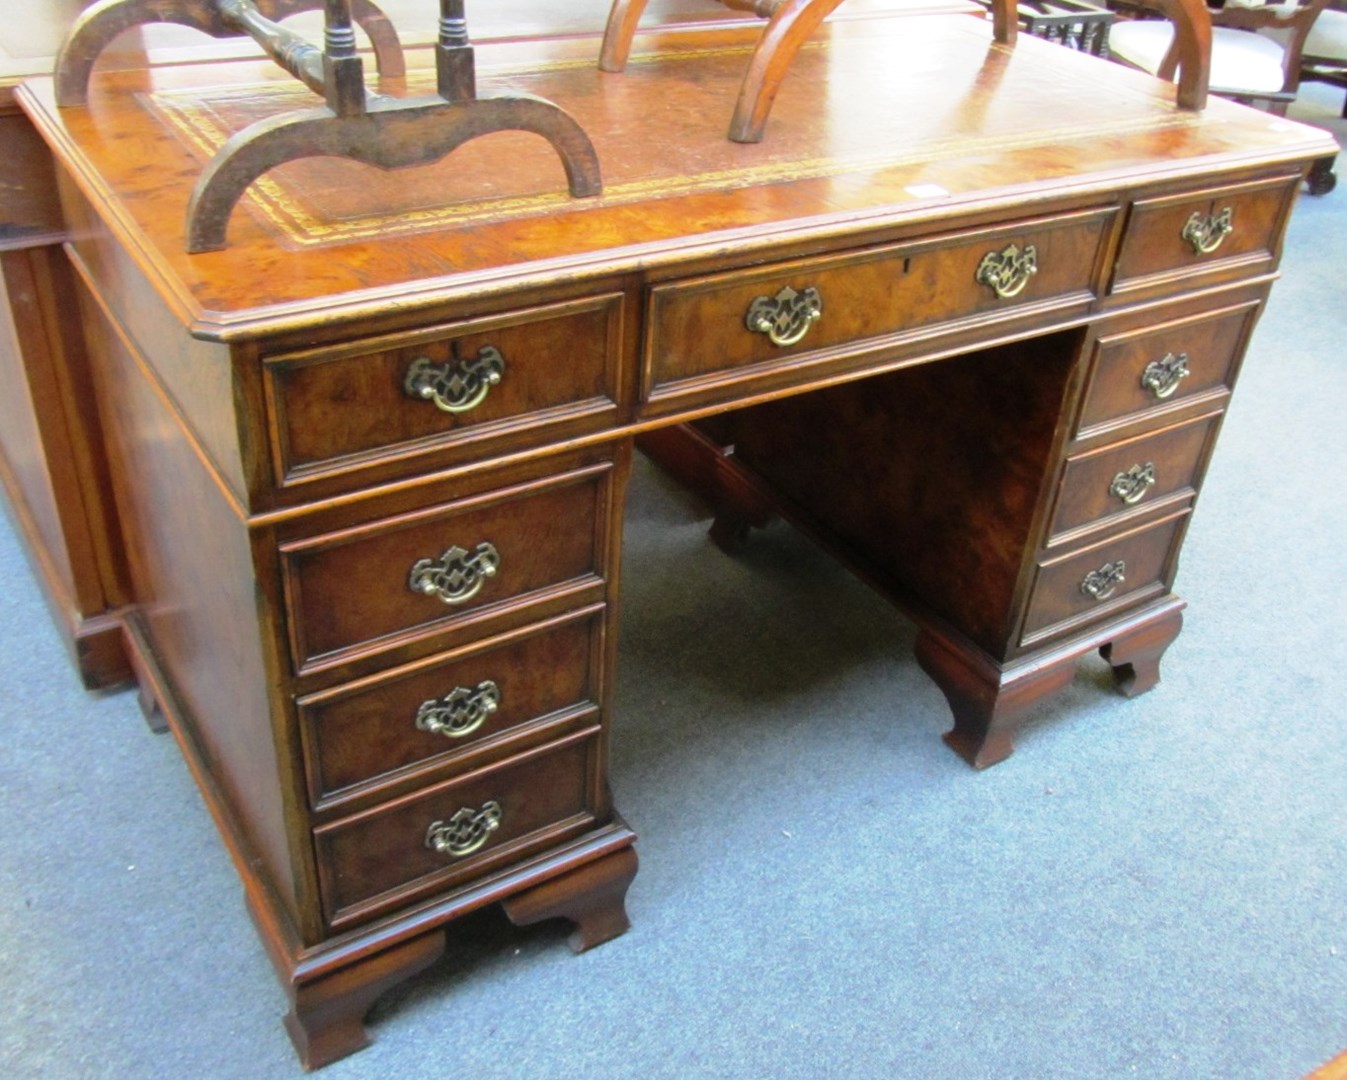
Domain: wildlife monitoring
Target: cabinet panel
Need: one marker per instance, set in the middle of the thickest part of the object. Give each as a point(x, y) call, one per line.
point(449, 707)
point(1099, 581)
point(445, 835)
point(1134, 474)
point(427, 569)
point(1197, 232)
point(1161, 367)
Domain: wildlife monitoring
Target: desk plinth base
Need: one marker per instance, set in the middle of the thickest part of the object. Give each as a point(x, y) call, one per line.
point(332, 985)
point(326, 1021)
point(990, 701)
point(592, 897)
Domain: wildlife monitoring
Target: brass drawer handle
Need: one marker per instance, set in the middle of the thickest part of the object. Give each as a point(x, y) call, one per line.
point(466, 831)
point(1131, 486)
point(1007, 272)
point(1162, 377)
point(786, 317)
point(460, 712)
point(1099, 584)
point(458, 386)
point(457, 576)
point(1205, 232)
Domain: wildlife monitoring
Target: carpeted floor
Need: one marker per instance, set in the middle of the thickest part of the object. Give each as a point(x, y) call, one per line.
point(1153, 888)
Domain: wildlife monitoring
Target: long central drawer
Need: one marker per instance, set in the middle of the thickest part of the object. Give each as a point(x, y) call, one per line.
point(701, 330)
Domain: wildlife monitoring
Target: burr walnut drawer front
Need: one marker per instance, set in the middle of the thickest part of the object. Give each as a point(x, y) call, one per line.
point(379, 583)
point(1133, 474)
point(512, 378)
point(1144, 371)
point(1079, 588)
point(1203, 231)
point(434, 839)
point(486, 699)
point(707, 328)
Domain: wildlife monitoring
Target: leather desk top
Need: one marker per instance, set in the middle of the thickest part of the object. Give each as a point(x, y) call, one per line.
point(925, 119)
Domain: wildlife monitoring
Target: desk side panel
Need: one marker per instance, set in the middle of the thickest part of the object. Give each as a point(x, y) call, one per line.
point(196, 376)
point(50, 447)
point(203, 612)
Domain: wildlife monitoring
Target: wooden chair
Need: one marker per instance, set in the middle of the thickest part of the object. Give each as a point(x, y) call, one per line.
point(790, 23)
point(1256, 49)
point(385, 131)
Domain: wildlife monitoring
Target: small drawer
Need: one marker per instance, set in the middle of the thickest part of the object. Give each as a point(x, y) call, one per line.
point(449, 706)
point(377, 584)
point(1093, 583)
point(765, 318)
point(1132, 475)
point(533, 375)
point(444, 836)
point(1200, 232)
point(1161, 367)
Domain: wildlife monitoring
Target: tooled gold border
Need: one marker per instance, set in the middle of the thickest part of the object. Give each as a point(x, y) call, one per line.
point(196, 121)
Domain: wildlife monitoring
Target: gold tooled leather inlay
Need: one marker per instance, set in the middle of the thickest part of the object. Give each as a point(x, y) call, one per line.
point(320, 201)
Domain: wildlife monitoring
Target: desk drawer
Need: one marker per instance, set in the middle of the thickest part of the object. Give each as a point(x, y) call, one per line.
point(379, 583)
point(1136, 473)
point(444, 836)
point(750, 319)
point(1200, 231)
point(451, 707)
point(1165, 366)
point(1091, 584)
point(529, 374)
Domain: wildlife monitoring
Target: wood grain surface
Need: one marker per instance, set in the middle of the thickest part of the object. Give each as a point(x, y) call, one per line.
point(1003, 123)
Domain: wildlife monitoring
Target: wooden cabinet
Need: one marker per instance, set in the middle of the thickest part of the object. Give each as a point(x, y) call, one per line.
point(401, 580)
point(1142, 375)
point(52, 471)
point(371, 475)
point(1130, 476)
point(1095, 583)
point(460, 830)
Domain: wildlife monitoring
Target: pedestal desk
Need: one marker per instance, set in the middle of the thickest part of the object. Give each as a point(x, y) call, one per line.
point(969, 314)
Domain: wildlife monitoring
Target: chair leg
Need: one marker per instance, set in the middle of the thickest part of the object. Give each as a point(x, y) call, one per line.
point(1321, 179)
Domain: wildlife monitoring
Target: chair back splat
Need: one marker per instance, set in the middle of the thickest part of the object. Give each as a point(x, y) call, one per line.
point(385, 131)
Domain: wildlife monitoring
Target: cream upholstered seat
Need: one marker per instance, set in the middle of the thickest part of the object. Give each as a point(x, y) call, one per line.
point(1256, 56)
point(1255, 48)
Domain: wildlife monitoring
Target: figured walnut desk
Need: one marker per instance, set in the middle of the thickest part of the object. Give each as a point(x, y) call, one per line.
point(384, 633)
